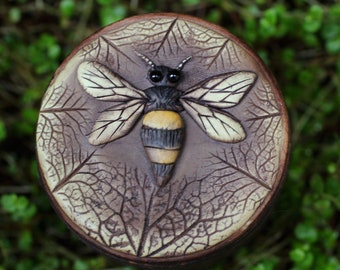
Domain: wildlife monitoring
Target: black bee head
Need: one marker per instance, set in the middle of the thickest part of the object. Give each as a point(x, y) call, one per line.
point(164, 76)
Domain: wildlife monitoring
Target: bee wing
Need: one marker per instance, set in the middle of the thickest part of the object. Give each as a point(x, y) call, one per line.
point(115, 122)
point(222, 91)
point(218, 125)
point(101, 83)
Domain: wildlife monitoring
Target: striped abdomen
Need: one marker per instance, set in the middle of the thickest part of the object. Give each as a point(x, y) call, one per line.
point(162, 135)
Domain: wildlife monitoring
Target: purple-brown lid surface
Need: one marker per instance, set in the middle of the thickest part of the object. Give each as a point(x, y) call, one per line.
point(162, 138)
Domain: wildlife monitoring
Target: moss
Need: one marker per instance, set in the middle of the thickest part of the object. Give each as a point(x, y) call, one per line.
point(300, 44)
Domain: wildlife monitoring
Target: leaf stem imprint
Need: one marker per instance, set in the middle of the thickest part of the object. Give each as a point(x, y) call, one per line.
point(146, 227)
point(73, 173)
point(244, 172)
point(166, 35)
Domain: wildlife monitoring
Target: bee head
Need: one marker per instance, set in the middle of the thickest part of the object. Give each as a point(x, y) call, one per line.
point(163, 75)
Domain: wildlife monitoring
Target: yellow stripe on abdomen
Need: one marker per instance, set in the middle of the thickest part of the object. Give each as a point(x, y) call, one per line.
point(162, 156)
point(163, 120)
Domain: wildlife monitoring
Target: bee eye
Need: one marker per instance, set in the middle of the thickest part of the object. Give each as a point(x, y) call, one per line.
point(174, 76)
point(156, 76)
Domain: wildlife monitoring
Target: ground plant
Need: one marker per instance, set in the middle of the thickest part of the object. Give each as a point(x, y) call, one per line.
point(299, 40)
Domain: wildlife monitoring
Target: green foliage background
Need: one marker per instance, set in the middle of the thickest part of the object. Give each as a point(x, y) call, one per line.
point(300, 42)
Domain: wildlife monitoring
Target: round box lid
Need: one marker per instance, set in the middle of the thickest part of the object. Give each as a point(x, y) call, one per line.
point(162, 139)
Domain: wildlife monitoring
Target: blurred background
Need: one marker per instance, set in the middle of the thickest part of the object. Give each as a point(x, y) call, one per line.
point(299, 40)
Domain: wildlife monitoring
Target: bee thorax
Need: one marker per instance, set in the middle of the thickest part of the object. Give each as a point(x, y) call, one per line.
point(163, 98)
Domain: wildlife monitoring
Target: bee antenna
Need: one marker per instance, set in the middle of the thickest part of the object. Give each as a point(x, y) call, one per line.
point(146, 59)
point(181, 65)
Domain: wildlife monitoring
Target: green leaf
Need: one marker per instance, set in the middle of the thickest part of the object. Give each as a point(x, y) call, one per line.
point(334, 11)
point(329, 238)
point(3, 133)
point(18, 206)
point(191, 2)
point(333, 46)
point(317, 184)
point(311, 40)
point(14, 15)
point(80, 265)
point(331, 168)
point(25, 264)
point(308, 261)
point(44, 54)
point(302, 257)
point(324, 208)
point(29, 119)
point(30, 115)
point(297, 255)
point(251, 30)
point(110, 14)
point(306, 232)
point(25, 240)
point(214, 15)
point(67, 8)
point(268, 23)
point(313, 19)
point(305, 76)
point(32, 95)
point(266, 264)
point(105, 2)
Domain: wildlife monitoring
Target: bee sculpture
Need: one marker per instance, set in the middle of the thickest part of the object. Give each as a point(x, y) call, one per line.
point(162, 131)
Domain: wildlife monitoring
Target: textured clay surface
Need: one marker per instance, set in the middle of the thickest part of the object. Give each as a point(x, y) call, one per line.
point(107, 192)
